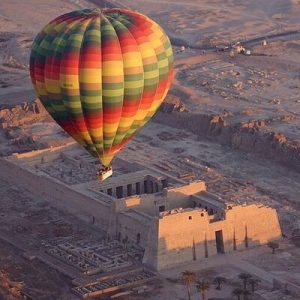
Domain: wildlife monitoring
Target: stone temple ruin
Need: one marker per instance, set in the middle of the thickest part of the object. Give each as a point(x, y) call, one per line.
point(95, 257)
point(108, 285)
point(172, 221)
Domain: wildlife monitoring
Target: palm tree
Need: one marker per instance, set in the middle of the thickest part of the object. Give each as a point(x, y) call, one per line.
point(273, 245)
point(237, 292)
point(246, 293)
point(218, 281)
point(187, 278)
point(254, 282)
point(245, 277)
point(202, 286)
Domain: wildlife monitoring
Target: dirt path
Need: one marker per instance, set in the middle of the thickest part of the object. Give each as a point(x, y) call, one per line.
point(194, 60)
point(236, 259)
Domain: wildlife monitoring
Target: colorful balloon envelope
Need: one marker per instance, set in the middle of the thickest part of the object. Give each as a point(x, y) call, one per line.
point(102, 74)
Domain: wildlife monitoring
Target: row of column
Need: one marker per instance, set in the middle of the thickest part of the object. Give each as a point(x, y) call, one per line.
point(138, 188)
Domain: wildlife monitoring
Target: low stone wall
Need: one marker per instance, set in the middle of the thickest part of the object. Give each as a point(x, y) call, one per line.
point(136, 230)
point(56, 193)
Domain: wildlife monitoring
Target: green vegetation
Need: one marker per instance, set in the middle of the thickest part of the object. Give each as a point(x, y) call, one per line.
point(273, 245)
point(202, 286)
point(188, 278)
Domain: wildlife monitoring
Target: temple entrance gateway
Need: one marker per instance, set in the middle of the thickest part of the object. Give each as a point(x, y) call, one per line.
point(219, 241)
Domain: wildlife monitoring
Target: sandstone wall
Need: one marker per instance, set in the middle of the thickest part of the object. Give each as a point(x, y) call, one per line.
point(181, 239)
point(171, 198)
point(36, 156)
point(144, 203)
point(150, 256)
point(57, 193)
point(180, 196)
point(191, 235)
point(131, 227)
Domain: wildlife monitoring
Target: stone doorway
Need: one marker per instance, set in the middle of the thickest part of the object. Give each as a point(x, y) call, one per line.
point(219, 241)
point(119, 192)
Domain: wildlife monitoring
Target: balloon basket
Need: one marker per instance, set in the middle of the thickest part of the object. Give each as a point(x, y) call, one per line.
point(104, 173)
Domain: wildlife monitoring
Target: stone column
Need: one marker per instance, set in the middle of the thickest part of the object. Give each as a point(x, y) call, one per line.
point(114, 192)
point(142, 187)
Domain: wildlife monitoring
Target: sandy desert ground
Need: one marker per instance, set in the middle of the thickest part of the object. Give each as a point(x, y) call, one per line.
point(238, 117)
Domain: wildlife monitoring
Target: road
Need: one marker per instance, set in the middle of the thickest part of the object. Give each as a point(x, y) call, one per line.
point(237, 260)
point(177, 41)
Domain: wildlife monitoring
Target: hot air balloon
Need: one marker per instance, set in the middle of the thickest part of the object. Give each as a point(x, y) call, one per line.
point(102, 74)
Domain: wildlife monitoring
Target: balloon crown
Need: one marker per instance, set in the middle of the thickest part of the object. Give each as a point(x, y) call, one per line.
point(96, 12)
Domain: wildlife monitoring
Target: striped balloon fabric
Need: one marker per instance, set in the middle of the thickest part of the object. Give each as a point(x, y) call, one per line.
point(102, 74)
